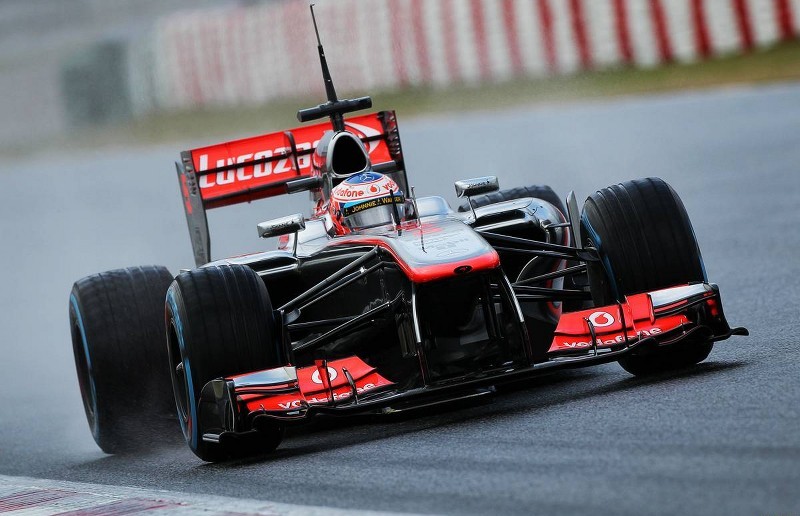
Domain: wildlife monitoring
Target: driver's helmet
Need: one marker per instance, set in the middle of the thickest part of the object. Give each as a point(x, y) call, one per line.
point(367, 200)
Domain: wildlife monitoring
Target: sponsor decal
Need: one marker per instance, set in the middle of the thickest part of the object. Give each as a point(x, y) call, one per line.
point(350, 209)
point(311, 386)
point(257, 170)
point(364, 177)
point(375, 185)
point(294, 404)
point(347, 193)
point(280, 225)
point(337, 396)
point(283, 164)
point(619, 339)
point(332, 374)
point(341, 395)
point(601, 319)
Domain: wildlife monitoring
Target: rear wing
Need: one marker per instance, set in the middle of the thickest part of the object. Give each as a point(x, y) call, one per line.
point(261, 166)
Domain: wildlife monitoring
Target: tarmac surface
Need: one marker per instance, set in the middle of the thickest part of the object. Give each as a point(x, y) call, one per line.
point(721, 438)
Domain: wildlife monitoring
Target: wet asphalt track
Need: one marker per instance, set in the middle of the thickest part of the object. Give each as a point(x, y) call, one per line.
point(723, 438)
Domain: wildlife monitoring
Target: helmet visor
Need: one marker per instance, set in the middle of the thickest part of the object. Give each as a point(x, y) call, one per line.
point(374, 212)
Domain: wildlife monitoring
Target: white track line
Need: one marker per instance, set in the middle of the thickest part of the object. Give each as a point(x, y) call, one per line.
point(41, 497)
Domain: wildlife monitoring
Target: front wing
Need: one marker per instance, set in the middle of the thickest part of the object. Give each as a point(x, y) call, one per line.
point(233, 407)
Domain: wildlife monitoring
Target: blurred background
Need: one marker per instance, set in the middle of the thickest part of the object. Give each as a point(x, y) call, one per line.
point(90, 72)
point(56, 54)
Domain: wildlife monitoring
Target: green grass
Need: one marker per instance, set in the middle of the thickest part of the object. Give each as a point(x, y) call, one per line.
point(779, 63)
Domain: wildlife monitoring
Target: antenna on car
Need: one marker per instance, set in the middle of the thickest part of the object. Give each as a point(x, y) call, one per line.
point(326, 73)
point(334, 108)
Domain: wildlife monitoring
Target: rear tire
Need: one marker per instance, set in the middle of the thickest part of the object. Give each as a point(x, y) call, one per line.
point(542, 192)
point(117, 326)
point(219, 323)
point(646, 242)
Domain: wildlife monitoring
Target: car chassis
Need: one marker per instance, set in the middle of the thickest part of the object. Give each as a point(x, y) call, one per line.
point(414, 314)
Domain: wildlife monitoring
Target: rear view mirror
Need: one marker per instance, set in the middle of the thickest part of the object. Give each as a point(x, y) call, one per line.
point(476, 186)
point(282, 226)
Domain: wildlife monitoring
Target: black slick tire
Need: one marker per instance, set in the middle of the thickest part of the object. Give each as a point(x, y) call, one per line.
point(646, 242)
point(117, 326)
point(219, 323)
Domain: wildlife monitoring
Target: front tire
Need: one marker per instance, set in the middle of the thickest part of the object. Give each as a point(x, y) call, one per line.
point(646, 242)
point(117, 325)
point(219, 323)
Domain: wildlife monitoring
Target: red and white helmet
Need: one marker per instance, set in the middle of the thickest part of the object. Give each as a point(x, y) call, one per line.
point(366, 200)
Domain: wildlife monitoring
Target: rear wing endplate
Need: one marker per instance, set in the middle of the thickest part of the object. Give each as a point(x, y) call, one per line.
point(258, 167)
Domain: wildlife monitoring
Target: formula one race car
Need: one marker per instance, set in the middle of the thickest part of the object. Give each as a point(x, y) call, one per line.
point(380, 301)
